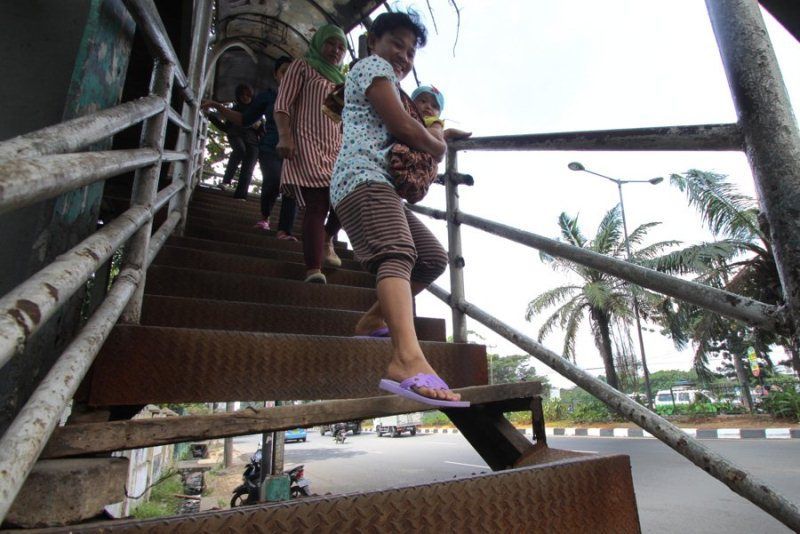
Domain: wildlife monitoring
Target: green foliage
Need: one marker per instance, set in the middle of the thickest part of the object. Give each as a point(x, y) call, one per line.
point(605, 300)
point(435, 419)
point(578, 406)
point(554, 410)
point(593, 411)
point(783, 404)
point(519, 418)
point(694, 409)
point(514, 368)
point(739, 261)
point(162, 500)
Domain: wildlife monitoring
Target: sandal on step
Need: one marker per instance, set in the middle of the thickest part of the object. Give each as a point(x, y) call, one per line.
point(421, 380)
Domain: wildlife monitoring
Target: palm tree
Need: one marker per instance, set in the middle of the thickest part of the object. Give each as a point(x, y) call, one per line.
point(604, 299)
point(740, 260)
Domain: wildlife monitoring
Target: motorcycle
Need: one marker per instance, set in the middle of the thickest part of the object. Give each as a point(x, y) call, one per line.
point(340, 434)
point(248, 492)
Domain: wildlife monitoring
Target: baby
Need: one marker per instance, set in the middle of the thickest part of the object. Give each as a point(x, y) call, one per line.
point(430, 102)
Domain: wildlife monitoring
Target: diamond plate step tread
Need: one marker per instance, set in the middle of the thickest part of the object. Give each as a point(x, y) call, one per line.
point(158, 310)
point(196, 283)
point(247, 250)
point(232, 263)
point(239, 216)
point(91, 438)
point(240, 219)
point(143, 364)
point(246, 229)
point(579, 495)
point(194, 228)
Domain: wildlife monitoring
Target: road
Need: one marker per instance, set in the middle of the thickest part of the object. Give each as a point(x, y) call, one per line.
point(672, 494)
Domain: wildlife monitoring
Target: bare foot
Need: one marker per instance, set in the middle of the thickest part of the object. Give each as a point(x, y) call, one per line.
point(401, 367)
point(368, 323)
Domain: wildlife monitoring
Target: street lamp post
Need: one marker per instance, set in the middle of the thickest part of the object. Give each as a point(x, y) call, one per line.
point(576, 166)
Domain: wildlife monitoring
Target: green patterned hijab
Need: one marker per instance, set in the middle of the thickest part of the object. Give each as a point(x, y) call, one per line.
point(314, 57)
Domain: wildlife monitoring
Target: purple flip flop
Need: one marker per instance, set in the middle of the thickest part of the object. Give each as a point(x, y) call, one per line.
point(379, 333)
point(421, 380)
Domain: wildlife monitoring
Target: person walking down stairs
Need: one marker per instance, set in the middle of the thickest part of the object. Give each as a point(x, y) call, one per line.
point(309, 142)
point(244, 140)
point(387, 238)
point(269, 161)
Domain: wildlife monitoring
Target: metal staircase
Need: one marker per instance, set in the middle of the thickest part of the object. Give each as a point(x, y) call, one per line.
point(205, 308)
point(234, 325)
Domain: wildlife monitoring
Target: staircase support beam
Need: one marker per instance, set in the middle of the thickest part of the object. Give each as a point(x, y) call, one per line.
point(93, 438)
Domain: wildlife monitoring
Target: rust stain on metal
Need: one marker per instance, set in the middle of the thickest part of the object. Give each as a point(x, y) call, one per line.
point(31, 309)
point(90, 253)
point(52, 290)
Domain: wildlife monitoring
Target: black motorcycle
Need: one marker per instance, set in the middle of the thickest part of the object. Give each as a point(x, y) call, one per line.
point(248, 491)
point(339, 433)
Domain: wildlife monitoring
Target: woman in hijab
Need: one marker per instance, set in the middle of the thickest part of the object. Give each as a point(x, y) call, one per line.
point(309, 142)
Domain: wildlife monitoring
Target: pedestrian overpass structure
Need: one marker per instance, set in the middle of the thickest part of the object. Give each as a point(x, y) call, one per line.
point(125, 283)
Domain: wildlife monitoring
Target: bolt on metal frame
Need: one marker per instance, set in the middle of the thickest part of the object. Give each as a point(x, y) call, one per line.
point(47, 163)
point(767, 131)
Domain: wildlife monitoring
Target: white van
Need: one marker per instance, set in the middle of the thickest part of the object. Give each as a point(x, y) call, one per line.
point(682, 396)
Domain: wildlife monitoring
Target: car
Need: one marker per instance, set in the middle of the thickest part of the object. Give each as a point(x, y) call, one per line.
point(297, 434)
point(351, 426)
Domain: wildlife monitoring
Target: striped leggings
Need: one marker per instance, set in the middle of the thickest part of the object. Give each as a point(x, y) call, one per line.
point(389, 240)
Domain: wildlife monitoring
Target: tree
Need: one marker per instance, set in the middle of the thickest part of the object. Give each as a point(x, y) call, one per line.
point(605, 300)
point(740, 260)
point(514, 368)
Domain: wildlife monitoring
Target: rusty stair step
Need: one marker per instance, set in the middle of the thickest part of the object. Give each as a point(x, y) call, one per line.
point(239, 217)
point(90, 438)
point(255, 238)
point(146, 364)
point(231, 263)
point(196, 283)
point(159, 310)
point(243, 227)
point(583, 494)
point(247, 250)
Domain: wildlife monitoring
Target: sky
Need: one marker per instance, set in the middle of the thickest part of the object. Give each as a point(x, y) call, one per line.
point(538, 66)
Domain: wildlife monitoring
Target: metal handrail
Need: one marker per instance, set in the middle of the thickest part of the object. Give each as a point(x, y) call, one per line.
point(720, 301)
point(25, 181)
point(43, 164)
point(72, 135)
point(28, 306)
point(733, 476)
point(698, 137)
point(145, 13)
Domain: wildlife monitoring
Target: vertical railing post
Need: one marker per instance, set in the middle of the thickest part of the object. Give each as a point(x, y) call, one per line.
point(456, 260)
point(188, 141)
point(772, 141)
point(145, 185)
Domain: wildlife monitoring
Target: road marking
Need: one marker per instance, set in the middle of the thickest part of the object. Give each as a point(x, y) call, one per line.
point(468, 465)
point(589, 452)
point(373, 452)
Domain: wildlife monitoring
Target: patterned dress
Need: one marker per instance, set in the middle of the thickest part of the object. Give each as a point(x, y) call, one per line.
point(317, 138)
point(367, 141)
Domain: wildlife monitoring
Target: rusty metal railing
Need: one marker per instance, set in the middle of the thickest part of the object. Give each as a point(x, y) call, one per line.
point(47, 163)
point(766, 130)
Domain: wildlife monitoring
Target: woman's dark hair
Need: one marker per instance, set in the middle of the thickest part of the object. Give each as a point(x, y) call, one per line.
point(281, 61)
point(240, 90)
point(387, 22)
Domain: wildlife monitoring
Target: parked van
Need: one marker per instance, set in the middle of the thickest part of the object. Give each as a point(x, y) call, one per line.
point(682, 396)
